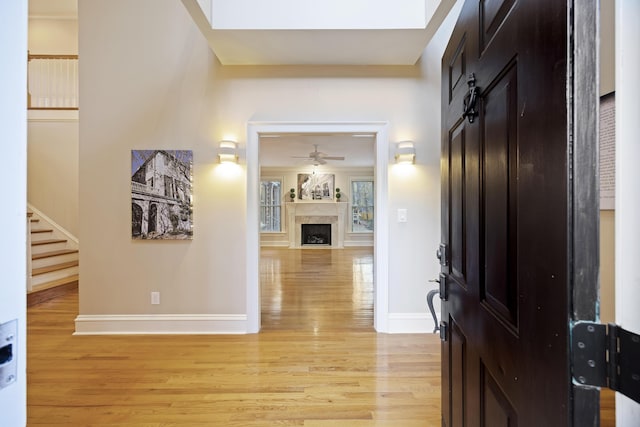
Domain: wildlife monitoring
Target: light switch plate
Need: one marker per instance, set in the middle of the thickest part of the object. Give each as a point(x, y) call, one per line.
point(155, 298)
point(8, 357)
point(402, 215)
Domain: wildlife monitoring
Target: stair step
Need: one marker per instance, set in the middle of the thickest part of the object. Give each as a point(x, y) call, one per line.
point(47, 242)
point(37, 247)
point(56, 267)
point(53, 253)
point(58, 257)
point(41, 230)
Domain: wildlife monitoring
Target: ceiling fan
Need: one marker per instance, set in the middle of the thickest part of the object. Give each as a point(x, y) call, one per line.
point(318, 157)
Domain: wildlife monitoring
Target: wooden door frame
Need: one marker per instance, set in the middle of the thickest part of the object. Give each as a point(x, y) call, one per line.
point(584, 201)
point(381, 230)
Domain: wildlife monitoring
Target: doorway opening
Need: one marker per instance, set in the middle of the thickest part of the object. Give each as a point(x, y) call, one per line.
point(380, 251)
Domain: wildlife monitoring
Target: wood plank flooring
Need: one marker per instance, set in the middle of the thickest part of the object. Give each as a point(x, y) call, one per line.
point(317, 289)
point(316, 363)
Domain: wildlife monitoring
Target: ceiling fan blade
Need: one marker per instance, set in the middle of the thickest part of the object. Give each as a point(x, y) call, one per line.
point(333, 158)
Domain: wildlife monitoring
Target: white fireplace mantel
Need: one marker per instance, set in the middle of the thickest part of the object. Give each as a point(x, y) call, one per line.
point(299, 213)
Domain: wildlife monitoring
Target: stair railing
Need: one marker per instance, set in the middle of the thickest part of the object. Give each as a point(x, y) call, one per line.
point(52, 82)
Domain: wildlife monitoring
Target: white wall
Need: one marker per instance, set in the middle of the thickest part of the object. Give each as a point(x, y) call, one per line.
point(53, 135)
point(289, 176)
point(174, 94)
point(627, 177)
point(13, 122)
point(418, 239)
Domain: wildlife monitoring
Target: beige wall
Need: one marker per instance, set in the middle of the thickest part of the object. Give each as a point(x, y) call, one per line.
point(53, 36)
point(172, 93)
point(53, 166)
point(607, 47)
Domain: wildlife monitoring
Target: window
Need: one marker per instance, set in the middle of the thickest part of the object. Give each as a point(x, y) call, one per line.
point(168, 186)
point(362, 205)
point(270, 205)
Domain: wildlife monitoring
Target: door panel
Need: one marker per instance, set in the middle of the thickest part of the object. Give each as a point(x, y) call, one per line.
point(496, 409)
point(458, 353)
point(499, 287)
point(505, 210)
point(492, 15)
point(457, 206)
point(457, 70)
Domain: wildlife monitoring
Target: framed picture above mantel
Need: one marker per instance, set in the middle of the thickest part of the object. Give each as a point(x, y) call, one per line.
point(316, 186)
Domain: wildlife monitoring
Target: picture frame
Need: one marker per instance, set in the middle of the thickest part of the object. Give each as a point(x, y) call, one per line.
point(161, 194)
point(316, 186)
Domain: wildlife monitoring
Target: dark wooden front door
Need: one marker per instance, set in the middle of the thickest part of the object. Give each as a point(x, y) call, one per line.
point(507, 252)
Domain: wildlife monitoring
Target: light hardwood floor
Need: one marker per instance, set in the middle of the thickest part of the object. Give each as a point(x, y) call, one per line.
point(317, 361)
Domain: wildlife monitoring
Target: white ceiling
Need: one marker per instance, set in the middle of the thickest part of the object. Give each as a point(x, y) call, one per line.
point(318, 47)
point(277, 150)
point(337, 46)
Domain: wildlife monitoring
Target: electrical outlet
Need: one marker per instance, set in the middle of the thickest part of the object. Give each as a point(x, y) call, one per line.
point(155, 297)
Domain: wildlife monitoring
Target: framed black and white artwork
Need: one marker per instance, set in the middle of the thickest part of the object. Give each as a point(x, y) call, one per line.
point(316, 186)
point(161, 203)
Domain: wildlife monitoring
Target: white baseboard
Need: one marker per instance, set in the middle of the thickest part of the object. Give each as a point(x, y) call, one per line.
point(410, 323)
point(274, 244)
point(168, 324)
point(218, 324)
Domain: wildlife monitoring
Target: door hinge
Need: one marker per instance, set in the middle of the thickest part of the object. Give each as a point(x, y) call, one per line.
point(606, 356)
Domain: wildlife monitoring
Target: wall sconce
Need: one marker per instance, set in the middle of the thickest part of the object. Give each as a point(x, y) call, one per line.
point(227, 152)
point(405, 153)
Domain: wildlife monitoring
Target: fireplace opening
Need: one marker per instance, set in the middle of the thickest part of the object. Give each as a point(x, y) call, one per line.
point(316, 234)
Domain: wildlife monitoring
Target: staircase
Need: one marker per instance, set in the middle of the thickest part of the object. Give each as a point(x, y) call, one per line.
point(53, 261)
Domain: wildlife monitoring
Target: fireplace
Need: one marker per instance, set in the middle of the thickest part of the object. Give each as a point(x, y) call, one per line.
point(316, 234)
point(329, 214)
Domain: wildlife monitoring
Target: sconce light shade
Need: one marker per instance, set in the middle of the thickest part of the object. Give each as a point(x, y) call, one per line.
point(405, 153)
point(227, 152)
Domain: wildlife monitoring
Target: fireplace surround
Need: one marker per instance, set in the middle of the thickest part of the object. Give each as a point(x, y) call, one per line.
point(329, 213)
